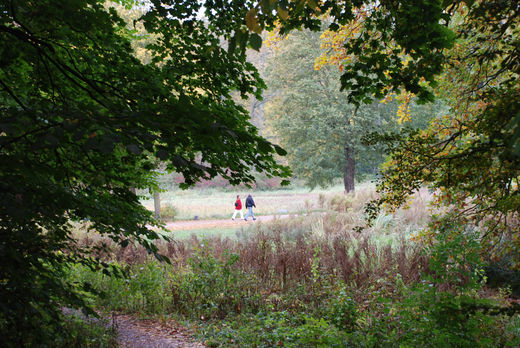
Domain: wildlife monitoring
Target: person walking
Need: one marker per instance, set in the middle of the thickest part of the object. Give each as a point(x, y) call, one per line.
point(249, 206)
point(238, 208)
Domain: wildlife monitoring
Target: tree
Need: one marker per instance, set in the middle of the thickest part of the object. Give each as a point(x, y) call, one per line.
point(389, 32)
point(320, 129)
point(470, 156)
point(464, 52)
point(83, 121)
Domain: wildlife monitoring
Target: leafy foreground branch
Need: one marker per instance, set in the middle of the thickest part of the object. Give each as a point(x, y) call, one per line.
point(83, 121)
point(287, 286)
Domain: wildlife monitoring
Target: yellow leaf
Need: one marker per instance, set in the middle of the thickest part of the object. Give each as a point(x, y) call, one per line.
point(312, 4)
point(283, 14)
point(252, 21)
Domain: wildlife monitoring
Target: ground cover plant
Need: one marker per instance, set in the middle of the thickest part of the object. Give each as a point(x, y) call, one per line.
point(83, 333)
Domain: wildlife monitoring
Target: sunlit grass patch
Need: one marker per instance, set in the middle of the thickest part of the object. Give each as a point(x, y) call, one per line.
point(202, 233)
point(219, 204)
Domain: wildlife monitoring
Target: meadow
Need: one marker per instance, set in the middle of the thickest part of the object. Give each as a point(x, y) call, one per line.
point(212, 203)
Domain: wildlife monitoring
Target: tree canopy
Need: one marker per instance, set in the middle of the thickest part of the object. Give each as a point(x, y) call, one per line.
point(470, 156)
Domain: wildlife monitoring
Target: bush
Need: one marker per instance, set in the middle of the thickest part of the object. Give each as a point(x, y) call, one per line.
point(168, 212)
point(340, 203)
point(427, 317)
point(211, 287)
point(262, 182)
point(343, 311)
point(86, 333)
point(145, 290)
point(273, 329)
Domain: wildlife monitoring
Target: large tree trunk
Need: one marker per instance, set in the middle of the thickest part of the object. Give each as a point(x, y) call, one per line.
point(157, 204)
point(348, 174)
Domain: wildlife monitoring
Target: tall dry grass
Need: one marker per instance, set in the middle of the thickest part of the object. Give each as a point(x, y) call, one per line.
point(289, 253)
point(349, 213)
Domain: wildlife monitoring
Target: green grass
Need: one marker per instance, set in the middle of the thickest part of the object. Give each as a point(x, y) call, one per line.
point(226, 232)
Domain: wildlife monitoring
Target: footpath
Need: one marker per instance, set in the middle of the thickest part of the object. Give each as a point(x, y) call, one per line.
point(142, 333)
point(200, 224)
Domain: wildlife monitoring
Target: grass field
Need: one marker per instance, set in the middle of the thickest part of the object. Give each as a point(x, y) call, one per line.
point(202, 233)
point(219, 203)
point(347, 211)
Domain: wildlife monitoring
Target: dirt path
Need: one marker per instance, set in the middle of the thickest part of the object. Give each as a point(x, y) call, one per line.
point(141, 333)
point(199, 224)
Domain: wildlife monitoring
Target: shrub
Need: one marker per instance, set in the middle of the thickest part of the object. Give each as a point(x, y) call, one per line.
point(168, 212)
point(428, 317)
point(145, 290)
point(83, 333)
point(211, 287)
point(340, 203)
point(273, 329)
point(343, 311)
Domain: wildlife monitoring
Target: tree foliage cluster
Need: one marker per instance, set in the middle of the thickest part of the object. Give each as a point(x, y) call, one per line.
point(470, 156)
point(322, 131)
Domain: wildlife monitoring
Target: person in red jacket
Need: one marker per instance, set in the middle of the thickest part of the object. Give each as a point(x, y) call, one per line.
point(238, 208)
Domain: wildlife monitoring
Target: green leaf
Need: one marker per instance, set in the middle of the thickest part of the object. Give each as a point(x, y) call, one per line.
point(255, 41)
point(242, 37)
point(279, 150)
point(232, 44)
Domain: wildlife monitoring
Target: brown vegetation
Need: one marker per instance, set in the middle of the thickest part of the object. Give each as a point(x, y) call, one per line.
point(295, 251)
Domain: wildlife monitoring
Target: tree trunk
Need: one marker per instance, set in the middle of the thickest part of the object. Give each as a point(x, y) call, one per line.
point(350, 164)
point(157, 204)
point(256, 113)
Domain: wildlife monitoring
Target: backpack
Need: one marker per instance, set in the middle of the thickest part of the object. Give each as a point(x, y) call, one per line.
point(236, 204)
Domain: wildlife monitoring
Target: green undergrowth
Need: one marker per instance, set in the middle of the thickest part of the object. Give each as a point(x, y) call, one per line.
point(397, 324)
point(76, 331)
point(83, 333)
point(248, 297)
